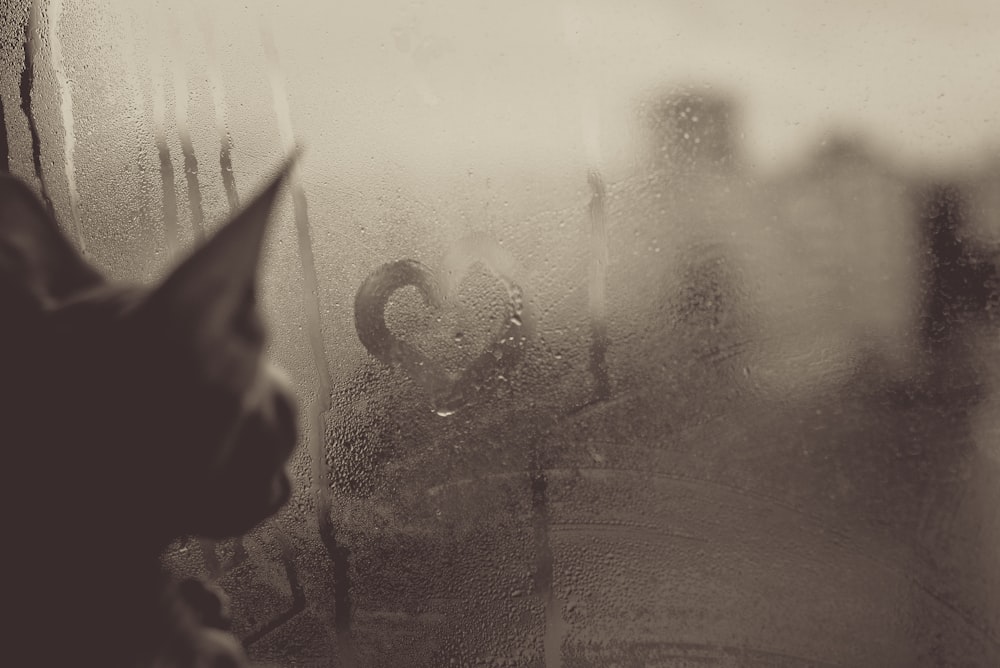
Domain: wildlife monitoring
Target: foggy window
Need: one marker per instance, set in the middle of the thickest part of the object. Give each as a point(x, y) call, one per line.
point(625, 334)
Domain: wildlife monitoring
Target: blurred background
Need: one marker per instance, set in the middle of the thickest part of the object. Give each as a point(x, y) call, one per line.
point(626, 333)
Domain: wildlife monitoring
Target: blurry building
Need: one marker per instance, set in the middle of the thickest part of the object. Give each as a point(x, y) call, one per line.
point(691, 131)
point(981, 186)
point(837, 265)
point(676, 283)
point(813, 272)
point(959, 276)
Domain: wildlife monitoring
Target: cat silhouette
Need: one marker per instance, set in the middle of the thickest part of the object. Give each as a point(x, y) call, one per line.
point(130, 416)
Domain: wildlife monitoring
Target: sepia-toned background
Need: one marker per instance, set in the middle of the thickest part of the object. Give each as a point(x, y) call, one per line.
point(689, 354)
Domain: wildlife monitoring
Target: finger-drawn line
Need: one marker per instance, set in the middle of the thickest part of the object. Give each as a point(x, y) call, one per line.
point(170, 225)
point(298, 593)
point(338, 554)
point(69, 126)
point(449, 391)
point(221, 120)
point(184, 132)
point(597, 292)
point(4, 141)
point(30, 45)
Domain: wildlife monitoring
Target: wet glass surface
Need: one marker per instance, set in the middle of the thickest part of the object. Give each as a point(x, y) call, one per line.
point(626, 335)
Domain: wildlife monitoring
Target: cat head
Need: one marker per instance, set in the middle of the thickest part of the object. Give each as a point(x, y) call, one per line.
point(146, 409)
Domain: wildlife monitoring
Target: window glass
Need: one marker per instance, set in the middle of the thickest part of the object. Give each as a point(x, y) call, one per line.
point(626, 334)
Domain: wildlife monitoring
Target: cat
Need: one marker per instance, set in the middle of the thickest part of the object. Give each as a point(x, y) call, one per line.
point(130, 416)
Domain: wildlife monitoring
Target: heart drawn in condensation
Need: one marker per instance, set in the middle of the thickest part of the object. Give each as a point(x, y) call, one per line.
point(449, 391)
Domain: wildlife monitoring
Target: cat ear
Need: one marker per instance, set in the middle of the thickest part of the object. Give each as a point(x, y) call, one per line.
point(39, 267)
point(212, 292)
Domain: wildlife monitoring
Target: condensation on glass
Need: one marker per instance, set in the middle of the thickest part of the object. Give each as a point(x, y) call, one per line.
point(627, 336)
